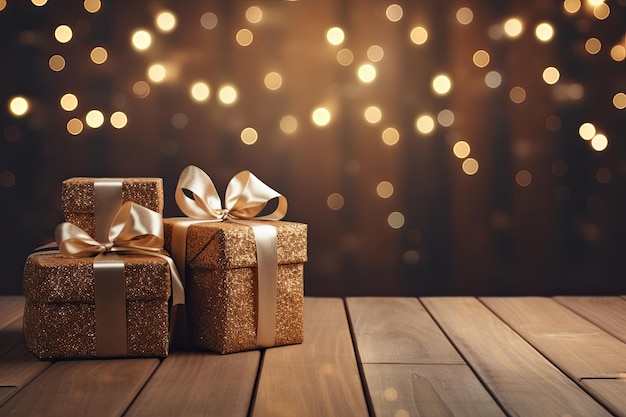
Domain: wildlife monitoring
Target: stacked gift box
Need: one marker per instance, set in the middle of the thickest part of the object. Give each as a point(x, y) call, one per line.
point(235, 300)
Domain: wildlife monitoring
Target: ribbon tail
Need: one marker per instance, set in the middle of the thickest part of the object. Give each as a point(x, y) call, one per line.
point(265, 237)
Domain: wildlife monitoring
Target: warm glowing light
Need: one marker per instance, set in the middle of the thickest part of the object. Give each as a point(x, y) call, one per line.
point(593, 45)
point(249, 136)
point(619, 101)
point(571, 6)
point(495, 32)
point(335, 201)
point(3, 4)
point(390, 136)
point(69, 102)
point(601, 11)
point(99, 55)
point(544, 32)
point(74, 126)
point(441, 84)
point(470, 166)
point(119, 120)
point(375, 53)
point(493, 79)
point(288, 124)
point(141, 40)
point(618, 53)
point(227, 94)
point(513, 27)
point(395, 220)
point(157, 73)
point(551, 75)
point(418, 35)
point(366, 73)
point(523, 178)
point(141, 89)
point(445, 118)
point(461, 149)
point(166, 21)
point(321, 116)
point(384, 189)
point(94, 119)
point(464, 15)
point(36, 2)
point(425, 124)
point(92, 6)
point(19, 106)
point(63, 33)
point(56, 63)
point(595, 3)
point(208, 21)
point(517, 95)
point(345, 57)
point(335, 36)
point(587, 131)
point(481, 58)
point(244, 37)
point(373, 114)
point(394, 12)
point(200, 91)
point(599, 142)
point(254, 14)
point(273, 81)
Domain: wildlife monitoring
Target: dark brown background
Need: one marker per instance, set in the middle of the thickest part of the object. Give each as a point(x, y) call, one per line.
point(479, 234)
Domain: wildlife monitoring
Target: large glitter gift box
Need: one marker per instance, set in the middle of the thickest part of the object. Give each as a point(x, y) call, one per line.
point(86, 202)
point(243, 269)
point(61, 313)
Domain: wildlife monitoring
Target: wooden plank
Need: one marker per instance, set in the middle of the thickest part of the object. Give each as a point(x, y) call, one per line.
point(521, 380)
point(199, 384)
point(11, 308)
point(17, 365)
point(427, 390)
point(576, 346)
point(398, 330)
point(318, 377)
point(95, 388)
point(608, 313)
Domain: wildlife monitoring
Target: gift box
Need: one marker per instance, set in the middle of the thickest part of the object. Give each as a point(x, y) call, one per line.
point(83, 198)
point(222, 289)
point(61, 319)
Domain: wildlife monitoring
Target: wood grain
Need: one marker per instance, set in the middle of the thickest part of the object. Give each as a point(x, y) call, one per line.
point(522, 381)
point(11, 308)
point(318, 377)
point(610, 391)
point(398, 330)
point(200, 384)
point(608, 313)
point(427, 390)
point(102, 388)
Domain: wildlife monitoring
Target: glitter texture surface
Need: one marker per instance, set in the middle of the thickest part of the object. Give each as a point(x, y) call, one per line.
point(78, 199)
point(59, 317)
point(221, 284)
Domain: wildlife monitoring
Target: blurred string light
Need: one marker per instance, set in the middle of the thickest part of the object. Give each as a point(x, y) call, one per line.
point(321, 116)
point(227, 94)
point(244, 37)
point(94, 119)
point(470, 166)
point(551, 75)
point(464, 15)
point(335, 36)
point(593, 46)
point(209, 20)
point(19, 106)
point(372, 114)
point(157, 73)
point(273, 81)
point(200, 91)
point(92, 6)
point(118, 120)
point(441, 84)
point(395, 220)
point(335, 201)
point(366, 73)
point(345, 57)
point(394, 12)
point(384, 189)
point(63, 33)
point(513, 27)
point(74, 126)
point(445, 118)
point(481, 58)
point(254, 14)
point(425, 124)
point(249, 136)
point(375, 53)
point(141, 39)
point(288, 124)
point(461, 149)
point(166, 21)
point(56, 63)
point(571, 6)
point(390, 136)
point(69, 102)
point(619, 101)
point(418, 35)
point(99, 55)
point(544, 32)
point(599, 142)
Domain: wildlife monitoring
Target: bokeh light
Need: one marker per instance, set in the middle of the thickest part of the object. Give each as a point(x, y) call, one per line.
point(461, 149)
point(619, 101)
point(513, 27)
point(394, 12)
point(571, 6)
point(249, 136)
point(464, 15)
point(445, 118)
point(390, 136)
point(593, 46)
point(74, 126)
point(384, 189)
point(118, 120)
point(200, 91)
point(551, 75)
point(523, 178)
point(19, 106)
point(288, 124)
point(56, 63)
point(441, 84)
point(395, 220)
point(493, 79)
point(335, 201)
point(345, 57)
point(418, 35)
point(141, 39)
point(254, 14)
point(141, 89)
point(335, 36)
point(375, 53)
point(157, 73)
point(273, 81)
point(481, 58)
point(587, 131)
point(366, 73)
point(94, 119)
point(599, 142)
point(517, 94)
point(209, 20)
point(227, 94)
point(99, 55)
point(425, 124)
point(63, 33)
point(470, 166)
point(69, 102)
point(92, 6)
point(244, 37)
point(544, 31)
point(373, 114)
point(321, 116)
point(166, 21)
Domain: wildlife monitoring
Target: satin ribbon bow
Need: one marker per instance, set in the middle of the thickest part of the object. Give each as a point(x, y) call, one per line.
point(246, 197)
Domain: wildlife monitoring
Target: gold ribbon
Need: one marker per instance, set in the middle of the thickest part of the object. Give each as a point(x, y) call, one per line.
point(246, 197)
point(134, 230)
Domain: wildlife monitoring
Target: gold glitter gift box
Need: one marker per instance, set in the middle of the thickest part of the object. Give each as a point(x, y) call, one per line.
point(78, 198)
point(221, 283)
point(60, 317)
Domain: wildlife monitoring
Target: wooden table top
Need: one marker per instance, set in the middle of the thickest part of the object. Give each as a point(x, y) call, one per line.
point(434, 356)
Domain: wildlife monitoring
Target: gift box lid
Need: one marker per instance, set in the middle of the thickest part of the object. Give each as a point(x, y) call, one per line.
point(54, 278)
point(229, 245)
point(78, 195)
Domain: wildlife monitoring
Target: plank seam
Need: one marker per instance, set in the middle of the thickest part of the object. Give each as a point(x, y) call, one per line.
point(257, 382)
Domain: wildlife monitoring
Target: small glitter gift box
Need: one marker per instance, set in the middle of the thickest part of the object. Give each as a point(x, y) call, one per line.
point(222, 288)
point(60, 316)
point(91, 202)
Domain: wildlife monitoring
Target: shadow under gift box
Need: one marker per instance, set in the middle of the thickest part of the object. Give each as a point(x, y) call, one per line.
point(60, 318)
point(221, 289)
point(78, 198)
